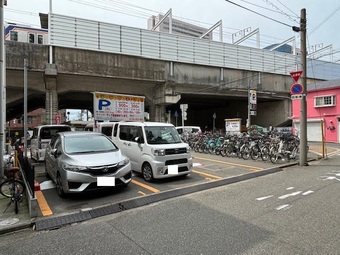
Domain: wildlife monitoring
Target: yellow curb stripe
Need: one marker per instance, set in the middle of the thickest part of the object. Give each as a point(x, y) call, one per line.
point(145, 186)
point(44, 207)
point(232, 164)
point(205, 174)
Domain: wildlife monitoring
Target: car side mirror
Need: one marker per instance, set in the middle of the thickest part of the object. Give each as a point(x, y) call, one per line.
point(55, 153)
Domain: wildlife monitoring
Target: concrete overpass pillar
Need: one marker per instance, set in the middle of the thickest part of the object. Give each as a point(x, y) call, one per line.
point(160, 113)
point(164, 94)
point(51, 106)
point(51, 101)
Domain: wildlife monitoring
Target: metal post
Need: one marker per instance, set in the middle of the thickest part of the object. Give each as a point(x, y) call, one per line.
point(25, 107)
point(214, 118)
point(2, 90)
point(303, 106)
point(248, 124)
point(50, 61)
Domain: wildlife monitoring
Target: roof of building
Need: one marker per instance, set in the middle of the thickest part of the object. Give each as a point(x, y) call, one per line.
point(323, 85)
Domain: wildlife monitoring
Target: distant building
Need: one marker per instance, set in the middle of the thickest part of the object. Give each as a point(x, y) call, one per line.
point(15, 127)
point(178, 27)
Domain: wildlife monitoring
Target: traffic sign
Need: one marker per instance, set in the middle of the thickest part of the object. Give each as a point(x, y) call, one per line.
point(296, 75)
point(296, 89)
point(184, 107)
point(294, 97)
point(57, 119)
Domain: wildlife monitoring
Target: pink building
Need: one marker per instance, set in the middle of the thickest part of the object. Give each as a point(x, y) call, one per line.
point(323, 111)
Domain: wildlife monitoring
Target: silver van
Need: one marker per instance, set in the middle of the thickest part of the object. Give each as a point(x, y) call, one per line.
point(155, 149)
point(41, 137)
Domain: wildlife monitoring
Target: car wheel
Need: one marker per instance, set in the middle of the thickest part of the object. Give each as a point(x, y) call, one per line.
point(60, 189)
point(147, 172)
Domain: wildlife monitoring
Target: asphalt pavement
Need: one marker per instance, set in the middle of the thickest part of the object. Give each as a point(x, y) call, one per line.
point(10, 222)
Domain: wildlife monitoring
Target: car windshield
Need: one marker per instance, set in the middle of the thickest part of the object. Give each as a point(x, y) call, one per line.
point(49, 132)
point(162, 135)
point(87, 144)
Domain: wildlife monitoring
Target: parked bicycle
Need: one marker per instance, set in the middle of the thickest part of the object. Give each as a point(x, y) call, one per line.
point(12, 187)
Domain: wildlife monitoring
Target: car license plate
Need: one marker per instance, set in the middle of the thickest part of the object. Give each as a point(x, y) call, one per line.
point(173, 169)
point(106, 181)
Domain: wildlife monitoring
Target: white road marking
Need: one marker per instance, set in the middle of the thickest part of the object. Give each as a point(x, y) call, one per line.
point(307, 192)
point(332, 178)
point(290, 195)
point(263, 198)
point(47, 185)
point(290, 188)
point(285, 207)
point(196, 164)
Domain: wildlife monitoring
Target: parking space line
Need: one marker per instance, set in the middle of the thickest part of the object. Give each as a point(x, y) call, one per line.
point(44, 207)
point(254, 168)
point(205, 174)
point(145, 186)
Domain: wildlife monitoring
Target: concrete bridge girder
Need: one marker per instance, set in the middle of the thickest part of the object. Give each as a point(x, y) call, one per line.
point(164, 84)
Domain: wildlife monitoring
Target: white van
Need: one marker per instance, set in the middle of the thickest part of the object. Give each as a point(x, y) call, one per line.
point(188, 129)
point(155, 149)
point(101, 127)
point(41, 137)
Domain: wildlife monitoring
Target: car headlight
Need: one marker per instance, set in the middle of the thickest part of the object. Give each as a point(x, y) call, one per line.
point(73, 168)
point(158, 152)
point(124, 162)
point(188, 149)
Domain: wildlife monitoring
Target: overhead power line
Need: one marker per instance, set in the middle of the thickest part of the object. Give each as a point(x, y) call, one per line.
point(260, 14)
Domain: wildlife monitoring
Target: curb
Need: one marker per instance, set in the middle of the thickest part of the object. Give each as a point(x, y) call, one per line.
point(18, 227)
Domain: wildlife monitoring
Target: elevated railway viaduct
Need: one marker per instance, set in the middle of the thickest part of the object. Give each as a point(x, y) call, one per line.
point(68, 84)
point(168, 70)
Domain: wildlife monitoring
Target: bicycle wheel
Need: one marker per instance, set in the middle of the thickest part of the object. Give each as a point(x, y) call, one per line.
point(6, 187)
point(255, 152)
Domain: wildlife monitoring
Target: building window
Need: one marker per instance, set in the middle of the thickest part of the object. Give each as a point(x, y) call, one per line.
point(31, 38)
point(13, 36)
point(40, 39)
point(324, 101)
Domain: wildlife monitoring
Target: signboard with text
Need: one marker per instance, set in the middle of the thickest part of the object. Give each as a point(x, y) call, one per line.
point(117, 107)
point(232, 125)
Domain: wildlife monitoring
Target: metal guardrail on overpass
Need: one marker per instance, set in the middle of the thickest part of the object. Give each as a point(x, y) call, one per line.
point(79, 33)
point(66, 31)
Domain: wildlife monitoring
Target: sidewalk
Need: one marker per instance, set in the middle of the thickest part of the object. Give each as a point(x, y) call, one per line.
point(10, 222)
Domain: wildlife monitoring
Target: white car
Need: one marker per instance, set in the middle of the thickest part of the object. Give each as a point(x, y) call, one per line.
point(41, 137)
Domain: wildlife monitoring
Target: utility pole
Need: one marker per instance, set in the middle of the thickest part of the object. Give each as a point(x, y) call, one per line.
point(2, 88)
point(303, 104)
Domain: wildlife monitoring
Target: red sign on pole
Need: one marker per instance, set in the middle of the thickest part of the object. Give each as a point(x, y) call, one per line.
point(296, 75)
point(57, 119)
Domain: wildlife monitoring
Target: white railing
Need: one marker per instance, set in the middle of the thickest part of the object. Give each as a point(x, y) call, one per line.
point(80, 33)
